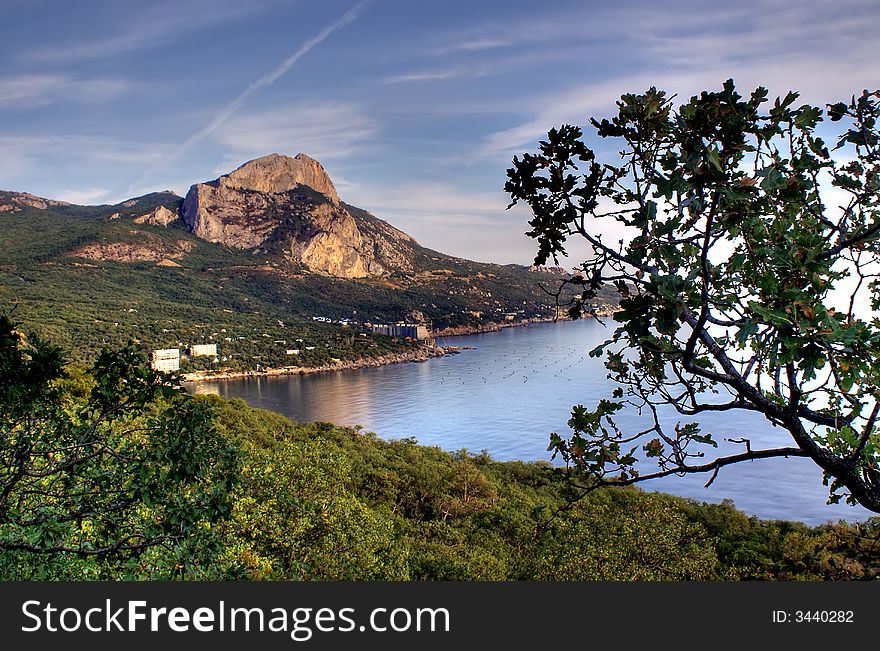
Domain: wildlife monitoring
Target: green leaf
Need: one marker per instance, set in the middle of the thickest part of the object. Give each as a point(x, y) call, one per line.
point(714, 158)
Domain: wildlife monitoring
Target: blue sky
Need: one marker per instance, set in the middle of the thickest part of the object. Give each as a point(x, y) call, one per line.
point(414, 108)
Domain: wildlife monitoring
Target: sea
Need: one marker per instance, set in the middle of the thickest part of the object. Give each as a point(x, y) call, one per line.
point(508, 390)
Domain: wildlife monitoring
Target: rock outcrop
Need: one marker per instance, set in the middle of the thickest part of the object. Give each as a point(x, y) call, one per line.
point(276, 173)
point(331, 243)
point(161, 216)
point(230, 216)
point(556, 271)
point(289, 206)
point(15, 201)
point(149, 249)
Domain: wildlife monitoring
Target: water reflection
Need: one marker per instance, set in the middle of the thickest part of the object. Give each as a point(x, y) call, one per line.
point(508, 394)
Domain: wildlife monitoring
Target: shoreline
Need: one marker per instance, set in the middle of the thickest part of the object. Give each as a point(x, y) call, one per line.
point(419, 355)
point(495, 326)
point(422, 354)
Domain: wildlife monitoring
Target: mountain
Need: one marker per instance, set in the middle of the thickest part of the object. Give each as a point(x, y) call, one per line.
point(289, 206)
point(262, 260)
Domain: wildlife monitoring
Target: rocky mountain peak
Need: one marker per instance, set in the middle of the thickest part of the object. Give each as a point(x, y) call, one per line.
point(277, 173)
point(288, 207)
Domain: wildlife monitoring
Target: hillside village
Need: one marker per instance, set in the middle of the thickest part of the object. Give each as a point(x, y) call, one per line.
point(170, 359)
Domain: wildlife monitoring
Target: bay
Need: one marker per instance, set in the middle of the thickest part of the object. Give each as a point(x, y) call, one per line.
point(515, 387)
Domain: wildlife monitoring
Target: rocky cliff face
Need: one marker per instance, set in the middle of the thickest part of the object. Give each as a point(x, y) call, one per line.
point(15, 201)
point(147, 249)
point(161, 216)
point(276, 173)
point(290, 206)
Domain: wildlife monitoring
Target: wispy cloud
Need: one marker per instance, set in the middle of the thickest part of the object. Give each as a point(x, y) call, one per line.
point(571, 107)
point(472, 43)
point(783, 50)
point(266, 80)
point(23, 159)
point(774, 32)
point(151, 25)
point(426, 199)
point(539, 27)
point(29, 91)
point(429, 211)
point(85, 196)
point(64, 146)
point(323, 130)
point(427, 75)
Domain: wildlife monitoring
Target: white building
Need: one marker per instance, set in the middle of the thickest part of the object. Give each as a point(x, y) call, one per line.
point(166, 359)
point(203, 350)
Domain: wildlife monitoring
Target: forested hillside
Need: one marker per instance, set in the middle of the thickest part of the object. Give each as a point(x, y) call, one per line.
point(316, 501)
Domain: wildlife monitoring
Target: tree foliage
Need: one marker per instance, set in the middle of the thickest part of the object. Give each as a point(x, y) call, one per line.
point(629, 538)
point(263, 497)
point(294, 518)
point(105, 464)
point(748, 277)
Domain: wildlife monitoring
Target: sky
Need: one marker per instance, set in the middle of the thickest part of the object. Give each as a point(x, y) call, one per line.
point(415, 109)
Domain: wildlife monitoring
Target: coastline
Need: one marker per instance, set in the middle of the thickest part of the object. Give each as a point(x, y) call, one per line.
point(490, 326)
point(421, 354)
point(494, 326)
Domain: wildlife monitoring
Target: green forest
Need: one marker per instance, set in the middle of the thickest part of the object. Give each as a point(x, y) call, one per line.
point(254, 307)
point(114, 472)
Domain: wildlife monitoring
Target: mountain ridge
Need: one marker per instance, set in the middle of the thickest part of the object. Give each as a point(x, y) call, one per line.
point(93, 276)
point(287, 206)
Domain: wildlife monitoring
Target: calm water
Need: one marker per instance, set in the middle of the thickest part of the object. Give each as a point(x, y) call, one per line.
point(509, 393)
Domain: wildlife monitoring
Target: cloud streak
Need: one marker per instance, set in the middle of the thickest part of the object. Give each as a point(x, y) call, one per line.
point(86, 196)
point(783, 50)
point(78, 149)
point(429, 75)
point(430, 210)
point(266, 80)
point(323, 130)
point(154, 25)
point(32, 90)
point(48, 165)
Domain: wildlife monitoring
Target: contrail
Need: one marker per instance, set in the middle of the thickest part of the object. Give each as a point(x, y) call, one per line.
point(266, 80)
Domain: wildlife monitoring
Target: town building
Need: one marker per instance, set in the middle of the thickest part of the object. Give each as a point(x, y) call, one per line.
point(165, 359)
point(411, 330)
point(203, 350)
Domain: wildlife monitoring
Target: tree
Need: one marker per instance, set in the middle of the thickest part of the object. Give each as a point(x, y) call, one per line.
point(627, 535)
point(749, 280)
point(109, 464)
point(295, 519)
